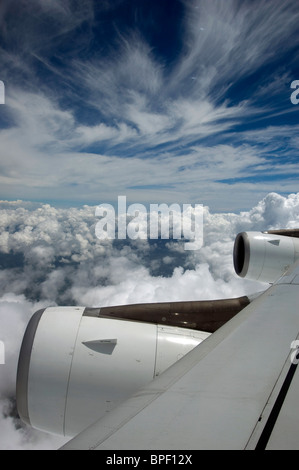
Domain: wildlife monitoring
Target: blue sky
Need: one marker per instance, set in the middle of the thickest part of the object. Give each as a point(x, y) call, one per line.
point(161, 101)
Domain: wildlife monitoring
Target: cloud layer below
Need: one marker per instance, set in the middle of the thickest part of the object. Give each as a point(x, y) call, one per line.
point(51, 256)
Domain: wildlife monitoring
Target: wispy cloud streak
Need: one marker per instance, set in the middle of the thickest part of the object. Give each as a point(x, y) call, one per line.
point(85, 96)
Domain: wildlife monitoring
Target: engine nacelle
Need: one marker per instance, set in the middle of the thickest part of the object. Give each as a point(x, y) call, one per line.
point(75, 367)
point(264, 257)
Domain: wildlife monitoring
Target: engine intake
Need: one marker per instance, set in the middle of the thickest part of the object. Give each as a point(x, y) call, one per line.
point(264, 256)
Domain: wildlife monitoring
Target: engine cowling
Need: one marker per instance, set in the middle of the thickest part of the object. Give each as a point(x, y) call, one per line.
point(75, 367)
point(264, 257)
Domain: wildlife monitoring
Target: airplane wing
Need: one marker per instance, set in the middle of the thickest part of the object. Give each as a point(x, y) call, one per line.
point(238, 389)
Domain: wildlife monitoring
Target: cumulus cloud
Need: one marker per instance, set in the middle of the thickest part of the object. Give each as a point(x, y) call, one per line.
point(51, 256)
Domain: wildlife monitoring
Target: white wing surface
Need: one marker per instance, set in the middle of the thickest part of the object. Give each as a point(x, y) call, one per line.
point(238, 389)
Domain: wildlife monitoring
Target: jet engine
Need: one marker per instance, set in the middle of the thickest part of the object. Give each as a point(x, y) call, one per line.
point(265, 256)
point(74, 366)
point(78, 363)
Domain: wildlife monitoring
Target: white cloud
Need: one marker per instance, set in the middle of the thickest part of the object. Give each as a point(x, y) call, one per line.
point(87, 135)
point(42, 157)
point(54, 256)
point(149, 119)
point(150, 123)
point(230, 39)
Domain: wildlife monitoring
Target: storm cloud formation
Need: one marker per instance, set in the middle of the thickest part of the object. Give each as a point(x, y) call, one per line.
point(51, 256)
